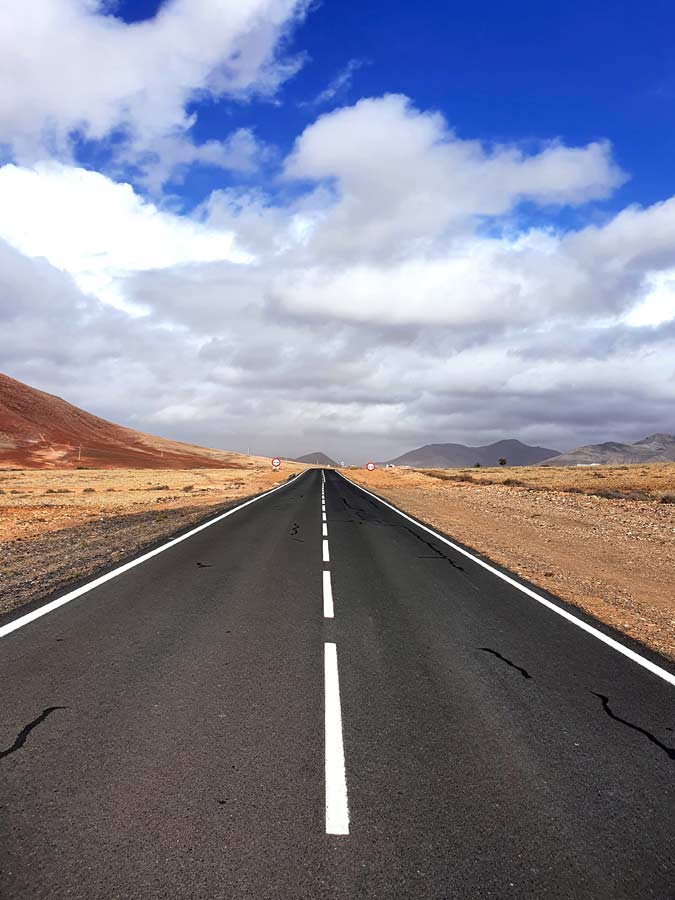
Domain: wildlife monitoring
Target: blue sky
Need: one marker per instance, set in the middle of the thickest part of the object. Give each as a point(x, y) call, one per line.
point(342, 226)
point(500, 72)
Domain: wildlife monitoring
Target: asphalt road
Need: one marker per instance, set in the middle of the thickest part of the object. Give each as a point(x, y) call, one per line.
point(201, 727)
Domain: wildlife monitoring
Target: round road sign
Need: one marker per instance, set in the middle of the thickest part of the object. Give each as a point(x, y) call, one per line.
point(370, 466)
point(276, 462)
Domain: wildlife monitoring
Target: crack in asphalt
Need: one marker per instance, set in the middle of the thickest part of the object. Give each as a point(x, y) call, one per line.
point(438, 554)
point(359, 512)
point(669, 751)
point(22, 736)
point(204, 565)
point(294, 530)
point(508, 662)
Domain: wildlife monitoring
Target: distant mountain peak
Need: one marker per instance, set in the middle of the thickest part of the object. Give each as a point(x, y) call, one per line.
point(658, 438)
point(659, 447)
point(317, 459)
point(447, 456)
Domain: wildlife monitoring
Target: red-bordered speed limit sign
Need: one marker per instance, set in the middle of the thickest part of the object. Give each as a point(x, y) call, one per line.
point(370, 466)
point(276, 462)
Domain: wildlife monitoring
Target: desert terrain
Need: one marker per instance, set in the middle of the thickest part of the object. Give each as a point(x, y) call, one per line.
point(601, 538)
point(58, 526)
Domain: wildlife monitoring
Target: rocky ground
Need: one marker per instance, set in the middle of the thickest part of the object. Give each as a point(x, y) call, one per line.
point(60, 526)
point(603, 540)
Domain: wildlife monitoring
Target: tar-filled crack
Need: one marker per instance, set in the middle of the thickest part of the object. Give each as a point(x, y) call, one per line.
point(204, 565)
point(294, 530)
point(21, 737)
point(361, 513)
point(438, 554)
point(508, 662)
point(353, 508)
point(669, 751)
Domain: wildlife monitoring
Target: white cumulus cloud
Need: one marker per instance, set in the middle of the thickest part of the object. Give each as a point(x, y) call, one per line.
point(398, 297)
point(403, 179)
point(67, 67)
point(100, 231)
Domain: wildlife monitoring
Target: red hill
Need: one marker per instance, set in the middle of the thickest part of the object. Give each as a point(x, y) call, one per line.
point(38, 430)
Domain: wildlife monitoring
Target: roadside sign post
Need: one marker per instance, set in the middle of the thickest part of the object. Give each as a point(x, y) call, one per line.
point(370, 466)
point(276, 462)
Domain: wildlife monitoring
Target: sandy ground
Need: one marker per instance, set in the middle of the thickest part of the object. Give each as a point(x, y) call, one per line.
point(59, 526)
point(602, 539)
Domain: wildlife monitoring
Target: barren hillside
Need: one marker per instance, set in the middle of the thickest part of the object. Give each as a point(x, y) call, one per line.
point(38, 430)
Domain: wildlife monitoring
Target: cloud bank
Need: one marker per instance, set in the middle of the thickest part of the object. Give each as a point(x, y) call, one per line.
point(399, 293)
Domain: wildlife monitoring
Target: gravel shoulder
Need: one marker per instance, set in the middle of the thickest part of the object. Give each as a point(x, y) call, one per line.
point(611, 556)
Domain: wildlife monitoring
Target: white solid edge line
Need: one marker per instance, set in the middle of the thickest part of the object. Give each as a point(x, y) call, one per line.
point(325, 529)
point(328, 611)
point(337, 809)
point(97, 582)
point(326, 557)
point(611, 642)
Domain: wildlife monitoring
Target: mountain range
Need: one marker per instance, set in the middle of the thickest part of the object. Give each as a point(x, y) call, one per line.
point(39, 430)
point(449, 456)
point(654, 448)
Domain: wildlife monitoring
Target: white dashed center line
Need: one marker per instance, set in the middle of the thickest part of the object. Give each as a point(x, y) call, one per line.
point(337, 809)
point(328, 610)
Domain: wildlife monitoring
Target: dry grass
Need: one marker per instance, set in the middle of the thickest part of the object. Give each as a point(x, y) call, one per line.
point(34, 501)
point(641, 482)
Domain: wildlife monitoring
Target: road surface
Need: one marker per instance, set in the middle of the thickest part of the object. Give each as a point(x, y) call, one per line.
point(293, 705)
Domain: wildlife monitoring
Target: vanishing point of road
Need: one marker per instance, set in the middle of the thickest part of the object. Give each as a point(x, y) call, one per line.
point(313, 696)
